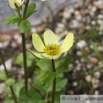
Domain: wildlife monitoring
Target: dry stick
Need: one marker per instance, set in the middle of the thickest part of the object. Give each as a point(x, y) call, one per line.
point(11, 88)
point(54, 82)
point(24, 50)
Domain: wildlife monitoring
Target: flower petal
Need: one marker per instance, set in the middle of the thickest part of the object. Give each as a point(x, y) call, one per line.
point(11, 2)
point(68, 42)
point(46, 56)
point(19, 1)
point(59, 55)
point(22, 2)
point(50, 37)
point(37, 42)
point(37, 54)
point(11, 6)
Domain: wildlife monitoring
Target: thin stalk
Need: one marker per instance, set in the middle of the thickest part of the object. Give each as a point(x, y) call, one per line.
point(54, 82)
point(19, 12)
point(25, 62)
point(25, 10)
point(11, 88)
point(24, 50)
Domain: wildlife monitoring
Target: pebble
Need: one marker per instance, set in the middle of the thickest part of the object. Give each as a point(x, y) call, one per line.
point(89, 66)
point(2, 86)
point(100, 48)
point(1, 45)
point(81, 44)
point(88, 78)
point(66, 14)
point(13, 44)
point(95, 82)
point(61, 25)
point(75, 84)
point(16, 36)
point(8, 64)
point(19, 40)
point(93, 60)
point(7, 37)
point(6, 43)
point(79, 53)
point(34, 30)
point(28, 45)
point(96, 92)
point(74, 24)
point(97, 74)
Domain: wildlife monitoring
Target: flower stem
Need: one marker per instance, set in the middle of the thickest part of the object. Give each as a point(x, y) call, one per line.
point(19, 12)
point(11, 88)
point(54, 82)
point(25, 62)
point(25, 10)
point(24, 50)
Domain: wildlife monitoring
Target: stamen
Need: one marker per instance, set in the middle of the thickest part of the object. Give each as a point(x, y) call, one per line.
point(51, 49)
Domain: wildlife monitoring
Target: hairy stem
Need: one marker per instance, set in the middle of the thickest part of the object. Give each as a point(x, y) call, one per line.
point(11, 88)
point(54, 82)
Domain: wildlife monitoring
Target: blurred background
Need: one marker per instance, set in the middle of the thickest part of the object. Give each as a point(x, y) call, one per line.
point(82, 17)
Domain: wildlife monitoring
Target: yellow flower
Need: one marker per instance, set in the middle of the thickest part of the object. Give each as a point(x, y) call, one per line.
point(15, 3)
point(51, 49)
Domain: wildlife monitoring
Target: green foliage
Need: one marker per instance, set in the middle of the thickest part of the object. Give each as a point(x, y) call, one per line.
point(65, 63)
point(31, 10)
point(57, 96)
point(32, 96)
point(16, 87)
point(9, 100)
point(96, 50)
point(3, 75)
point(60, 83)
point(9, 82)
point(30, 59)
point(44, 64)
point(24, 26)
point(38, 85)
point(48, 77)
point(48, 87)
point(12, 19)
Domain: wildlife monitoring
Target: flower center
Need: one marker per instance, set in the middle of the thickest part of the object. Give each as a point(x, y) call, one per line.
point(51, 49)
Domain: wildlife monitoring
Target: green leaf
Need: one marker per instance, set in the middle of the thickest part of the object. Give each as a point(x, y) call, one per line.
point(60, 83)
point(38, 85)
point(17, 87)
point(8, 100)
point(19, 59)
point(96, 50)
point(30, 59)
point(9, 82)
point(11, 19)
point(44, 64)
point(48, 77)
point(59, 61)
point(24, 26)
point(65, 63)
point(57, 96)
point(32, 96)
point(30, 10)
point(3, 75)
point(23, 7)
point(62, 70)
